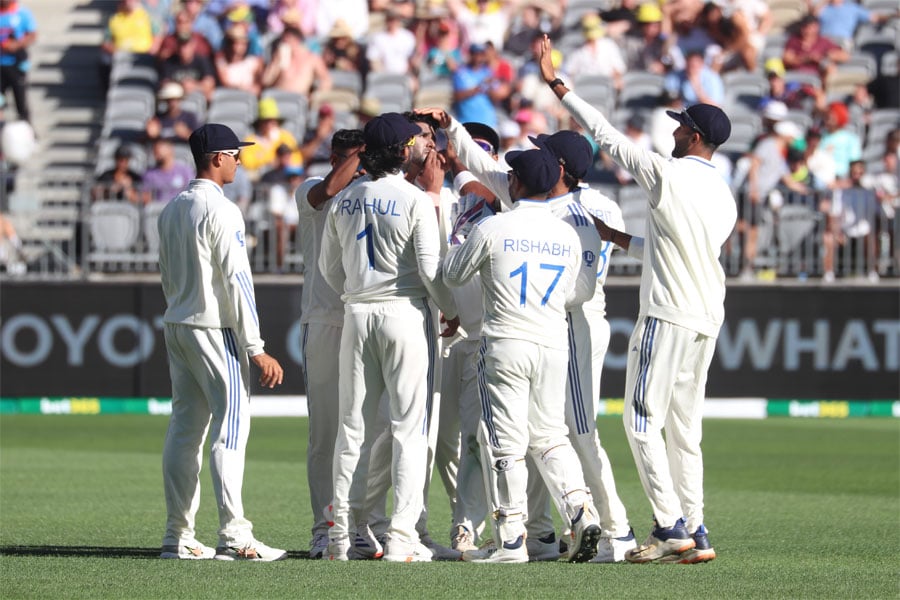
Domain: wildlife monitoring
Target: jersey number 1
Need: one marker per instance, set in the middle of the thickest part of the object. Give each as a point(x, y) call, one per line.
point(370, 244)
point(523, 271)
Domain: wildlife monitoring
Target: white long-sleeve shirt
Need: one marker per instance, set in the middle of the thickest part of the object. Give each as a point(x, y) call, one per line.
point(319, 303)
point(692, 214)
point(528, 263)
point(204, 267)
point(381, 243)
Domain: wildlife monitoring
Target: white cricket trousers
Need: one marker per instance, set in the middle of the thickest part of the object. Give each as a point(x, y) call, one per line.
point(522, 388)
point(385, 346)
point(459, 464)
point(588, 341)
point(665, 384)
point(210, 392)
point(321, 345)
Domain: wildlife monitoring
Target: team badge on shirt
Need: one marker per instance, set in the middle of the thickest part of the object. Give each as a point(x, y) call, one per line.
point(240, 237)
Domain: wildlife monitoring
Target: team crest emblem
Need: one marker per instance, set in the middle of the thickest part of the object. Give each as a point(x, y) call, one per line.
point(240, 237)
point(589, 258)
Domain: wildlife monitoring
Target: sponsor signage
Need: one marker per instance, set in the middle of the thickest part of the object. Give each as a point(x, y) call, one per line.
point(803, 342)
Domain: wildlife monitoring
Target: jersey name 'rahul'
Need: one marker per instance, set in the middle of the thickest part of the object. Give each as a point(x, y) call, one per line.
point(373, 206)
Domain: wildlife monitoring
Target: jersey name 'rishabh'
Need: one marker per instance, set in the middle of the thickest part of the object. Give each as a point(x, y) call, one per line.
point(372, 206)
point(537, 247)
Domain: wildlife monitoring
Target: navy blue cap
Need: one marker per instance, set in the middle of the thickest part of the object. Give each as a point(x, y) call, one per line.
point(389, 129)
point(571, 148)
point(483, 132)
point(214, 137)
point(538, 170)
point(707, 120)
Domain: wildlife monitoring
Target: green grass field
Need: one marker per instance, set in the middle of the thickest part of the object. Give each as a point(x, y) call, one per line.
point(796, 509)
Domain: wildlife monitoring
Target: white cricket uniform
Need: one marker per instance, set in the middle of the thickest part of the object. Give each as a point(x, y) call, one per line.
point(528, 263)
point(588, 340)
point(321, 321)
point(211, 330)
point(381, 248)
point(458, 457)
point(692, 214)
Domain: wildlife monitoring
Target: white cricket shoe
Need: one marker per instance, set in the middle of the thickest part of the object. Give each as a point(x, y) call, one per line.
point(613, 550)
point(484, 551)
point(365, 546)
point(543, 549)
point(318, 545)
point(509, 552)
point(337, 549)
point(398, 551)
point(192, 550)
point(585, 534)
point(254, 551)
point(439, 552)
point(463, 540)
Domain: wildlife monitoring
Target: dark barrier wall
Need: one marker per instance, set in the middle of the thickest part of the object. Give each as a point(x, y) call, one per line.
point(802, 342)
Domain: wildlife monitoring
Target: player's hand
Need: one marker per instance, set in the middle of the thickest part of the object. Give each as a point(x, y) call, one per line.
point(432, 176)
point(547, 70)
point(605, 231)
point(272, 373)
point(438, 114)
point(451, 326)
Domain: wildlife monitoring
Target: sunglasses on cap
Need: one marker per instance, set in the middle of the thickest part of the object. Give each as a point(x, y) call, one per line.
point(232, 153)
point(691, 123)
point(485, 146)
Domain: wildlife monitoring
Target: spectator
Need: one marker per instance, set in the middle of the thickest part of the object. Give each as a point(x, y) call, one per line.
point(472, 84)
point(18, 31)
point(886, 186)
point(599, 55)
point(130, 29)
point(482, 21)
point(245, 13)
point(12, 260)
point(168, 178)
point(530, 87)
point(355, 12)
point(120, 182)
point(634, 131)
point(853, 214)
point(203, 22)
point(503, 75)
point(838, 141)
point(697, 83)
point(171, 122)
point(759, 20)
point(235, 67)
point(192, 71)
point(652, 50)
point(819, 162)
point(183, 30)
point(839, 19)
point(268, 135)
point(342, 52)
point(731, 35)
point(240, 191)
point(534, 19)
point(433, 24)
point(794, 95)
point(444, 56)
point(283, 210)
point(768, 168)
point(810, 52)
point(294, 67)
point(392, 50)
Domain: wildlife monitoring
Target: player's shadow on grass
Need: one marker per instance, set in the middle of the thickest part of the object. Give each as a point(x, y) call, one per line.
point(98, 552)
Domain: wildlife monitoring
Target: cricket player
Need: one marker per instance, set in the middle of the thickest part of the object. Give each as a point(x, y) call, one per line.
point(589, 334)
point(380, 248)
point(529, 263)
point(321, 320)
point(212, 335)
point(692, 214)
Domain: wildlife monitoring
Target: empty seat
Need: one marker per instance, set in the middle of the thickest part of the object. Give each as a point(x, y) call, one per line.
point(114, 230)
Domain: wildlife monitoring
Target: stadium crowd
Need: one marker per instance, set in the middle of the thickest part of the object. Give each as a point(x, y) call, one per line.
point(811, 87)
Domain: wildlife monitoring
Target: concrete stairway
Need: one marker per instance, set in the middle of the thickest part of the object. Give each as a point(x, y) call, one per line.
point(67, 103)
